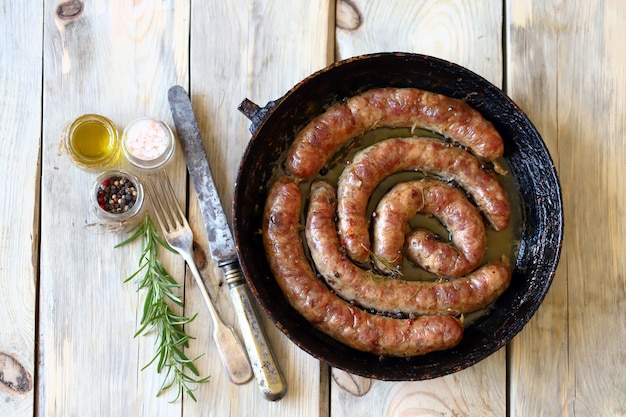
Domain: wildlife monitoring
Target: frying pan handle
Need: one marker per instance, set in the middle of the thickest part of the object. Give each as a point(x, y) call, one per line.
point(255, 113)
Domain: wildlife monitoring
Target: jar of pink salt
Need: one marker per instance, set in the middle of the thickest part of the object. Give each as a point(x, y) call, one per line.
point(148, 144)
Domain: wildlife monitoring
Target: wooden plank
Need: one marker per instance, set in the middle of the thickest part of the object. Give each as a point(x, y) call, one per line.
point(479, 390)
point(116, 59)
point(541, 348)
point(575, 95)
point(255, 50)
point(467, 33)
point(20, 118)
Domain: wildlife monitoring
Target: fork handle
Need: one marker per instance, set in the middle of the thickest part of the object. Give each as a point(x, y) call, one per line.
point(229, 347)
point(269, 377)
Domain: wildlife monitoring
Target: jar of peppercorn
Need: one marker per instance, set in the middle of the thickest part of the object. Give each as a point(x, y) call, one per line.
point(118, 197)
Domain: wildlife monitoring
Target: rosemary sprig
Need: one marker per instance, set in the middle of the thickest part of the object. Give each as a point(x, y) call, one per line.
point(394, 270)
point(157, 315)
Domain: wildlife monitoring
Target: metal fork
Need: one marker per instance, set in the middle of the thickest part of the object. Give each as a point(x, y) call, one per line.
point(179, 236)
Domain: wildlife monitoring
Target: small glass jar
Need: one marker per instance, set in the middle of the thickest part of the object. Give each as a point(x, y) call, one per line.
point(92, 142)
point(118, 197)
point(148, 144)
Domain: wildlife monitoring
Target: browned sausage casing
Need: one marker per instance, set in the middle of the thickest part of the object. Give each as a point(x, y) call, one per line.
point(446, 203)
point(327, 312)
point(390, 107)
point(431, 156)
point(371, 290)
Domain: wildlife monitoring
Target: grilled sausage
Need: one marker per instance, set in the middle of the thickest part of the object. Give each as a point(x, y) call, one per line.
point(327, 312)
point(390, 107)
point(381, 293)
point(446, 203)
point(431, 156)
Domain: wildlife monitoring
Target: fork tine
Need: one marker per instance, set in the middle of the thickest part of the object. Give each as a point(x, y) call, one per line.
point(157, 199)
point(174, 206)
point(167, 210)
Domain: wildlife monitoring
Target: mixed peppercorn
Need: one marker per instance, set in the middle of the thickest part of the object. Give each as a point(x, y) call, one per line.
point(116, 194)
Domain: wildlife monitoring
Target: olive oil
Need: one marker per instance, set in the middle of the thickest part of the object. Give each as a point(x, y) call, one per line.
point(92, 142)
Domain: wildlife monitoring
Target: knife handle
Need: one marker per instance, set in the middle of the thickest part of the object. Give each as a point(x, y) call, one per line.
point(269, 377)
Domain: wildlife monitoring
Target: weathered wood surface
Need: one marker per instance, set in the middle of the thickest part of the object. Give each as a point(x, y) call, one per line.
point(66, 342)
point(567, 69)
point(20, 137)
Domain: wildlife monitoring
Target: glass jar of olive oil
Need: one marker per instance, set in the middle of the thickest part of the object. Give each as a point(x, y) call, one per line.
point(93, 142)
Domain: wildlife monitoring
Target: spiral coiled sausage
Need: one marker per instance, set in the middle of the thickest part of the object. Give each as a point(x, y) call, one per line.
point(361, 307)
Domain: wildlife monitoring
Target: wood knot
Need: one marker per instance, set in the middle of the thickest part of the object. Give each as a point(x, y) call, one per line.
point(199, 256)
point(13, 375)
point(70, 10)
point(348, 17)
point(353, 384)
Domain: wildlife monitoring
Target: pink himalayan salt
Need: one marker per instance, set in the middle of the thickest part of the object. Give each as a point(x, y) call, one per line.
point(147, 140)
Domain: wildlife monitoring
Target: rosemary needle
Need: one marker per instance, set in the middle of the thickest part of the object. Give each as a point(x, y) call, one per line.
point(157, 315)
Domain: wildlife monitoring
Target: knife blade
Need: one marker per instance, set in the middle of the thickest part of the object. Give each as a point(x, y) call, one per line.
point(222, 246)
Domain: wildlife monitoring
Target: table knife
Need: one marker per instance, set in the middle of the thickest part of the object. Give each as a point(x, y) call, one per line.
point(222, 246)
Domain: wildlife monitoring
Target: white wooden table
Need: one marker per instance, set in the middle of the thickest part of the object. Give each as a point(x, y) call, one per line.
point(68, 319)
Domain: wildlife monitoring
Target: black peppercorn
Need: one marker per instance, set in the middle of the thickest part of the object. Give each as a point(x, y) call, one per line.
point(117, 197)
point(116, 194)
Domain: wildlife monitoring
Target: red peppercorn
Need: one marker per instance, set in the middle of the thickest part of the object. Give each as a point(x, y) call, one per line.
point(117, 198)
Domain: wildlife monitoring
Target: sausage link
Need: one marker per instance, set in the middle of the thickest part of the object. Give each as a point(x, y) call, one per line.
point(328, 313)
point(431, 156)
point(446, 203)
point(370, 290)
point(390, 107)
